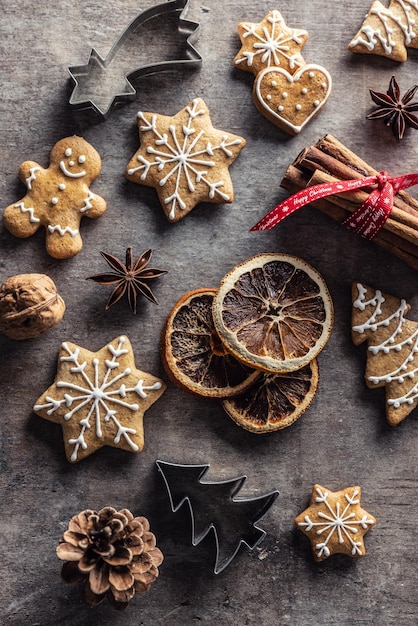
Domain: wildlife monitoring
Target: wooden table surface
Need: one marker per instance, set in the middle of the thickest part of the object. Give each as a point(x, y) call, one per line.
point(342, 440)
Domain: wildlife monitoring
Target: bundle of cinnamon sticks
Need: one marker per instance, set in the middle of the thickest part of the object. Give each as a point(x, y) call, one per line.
point(328, 161)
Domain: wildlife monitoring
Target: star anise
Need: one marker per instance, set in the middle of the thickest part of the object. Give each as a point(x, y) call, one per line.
point(395, 111)
point(129, 277)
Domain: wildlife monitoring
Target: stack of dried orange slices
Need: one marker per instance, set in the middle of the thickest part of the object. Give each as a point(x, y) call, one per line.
point(253, 342)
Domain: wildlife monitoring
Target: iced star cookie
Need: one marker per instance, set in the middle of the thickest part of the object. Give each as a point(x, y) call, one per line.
point(270, 43)
point(335, 523)
point(185, 159)
point(58, 197)
point(392, 354)
point(290, 101)
point(99, 398)
point(388, 31)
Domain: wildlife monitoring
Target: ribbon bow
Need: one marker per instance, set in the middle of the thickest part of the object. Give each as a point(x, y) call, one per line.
point(367, 220)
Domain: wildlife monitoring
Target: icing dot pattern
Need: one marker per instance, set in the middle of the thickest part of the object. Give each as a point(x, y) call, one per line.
point(292, 98)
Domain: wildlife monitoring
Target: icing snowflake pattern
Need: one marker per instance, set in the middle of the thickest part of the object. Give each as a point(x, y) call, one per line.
point(344, 523)
point(183, 155)
point(97, 399)
point(335, 522)
point(274, 44)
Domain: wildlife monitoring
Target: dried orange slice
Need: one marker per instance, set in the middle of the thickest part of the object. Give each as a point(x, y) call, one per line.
point(193, 354)
point(273, 312)
point(274, 401)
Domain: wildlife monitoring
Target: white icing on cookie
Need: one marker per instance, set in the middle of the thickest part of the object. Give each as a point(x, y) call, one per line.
point(30, 210)
point(176, 154)
point(67, 172)
point(398, 339)
point(98, 396)
point(292, 80)
point(391, 23)
point(63, 231)
point(272, 44)
point(32, 176)
point(339, 521)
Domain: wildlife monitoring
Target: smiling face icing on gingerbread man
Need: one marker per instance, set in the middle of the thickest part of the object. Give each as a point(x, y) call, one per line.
point(58, 197)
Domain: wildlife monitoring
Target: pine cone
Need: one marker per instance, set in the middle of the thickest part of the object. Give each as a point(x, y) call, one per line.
point(113, 552)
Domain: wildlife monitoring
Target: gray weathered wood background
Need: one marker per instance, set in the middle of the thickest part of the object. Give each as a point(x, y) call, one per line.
point(342, 440)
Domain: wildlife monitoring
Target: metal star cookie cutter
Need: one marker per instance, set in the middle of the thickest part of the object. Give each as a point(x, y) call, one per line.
point(82, 98)
point(232, 520)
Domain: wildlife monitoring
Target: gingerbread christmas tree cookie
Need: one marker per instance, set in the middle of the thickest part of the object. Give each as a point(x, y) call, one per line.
point(99, 398)
point(335, 523)
point(185, 159)
point(392, 355)
point(270, 43)
point(58, 197)
point(388, 31)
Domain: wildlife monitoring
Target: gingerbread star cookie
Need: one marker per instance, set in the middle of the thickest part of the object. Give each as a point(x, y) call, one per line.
point(335, 522)
point(270, 43)
point(185, 159)
point(58, 197)
point(99, 398)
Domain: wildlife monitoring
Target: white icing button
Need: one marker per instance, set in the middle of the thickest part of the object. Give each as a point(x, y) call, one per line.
point(68, 152)
point(281, 108)
point(284, 94)
point(316, 103)
point(311, 74)
point(54, 200)
point(268, 97)
point(70, 163)
point(298, 107)
point(61, 186)
point(324, 85)
point(273, 83)
point(82, 158)
point(304, 91)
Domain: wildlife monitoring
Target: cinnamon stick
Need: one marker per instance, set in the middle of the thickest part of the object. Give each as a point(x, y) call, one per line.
point(331, 146)
point(295, 180)
point(350, 201)
point(312, 159)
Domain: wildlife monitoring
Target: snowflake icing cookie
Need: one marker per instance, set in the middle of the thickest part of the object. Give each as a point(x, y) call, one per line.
point(270, 43)
point(388, 31)
point(99, 398)
point(58, 197)
point(185, 159)
point(392, 355)
point(335, 523)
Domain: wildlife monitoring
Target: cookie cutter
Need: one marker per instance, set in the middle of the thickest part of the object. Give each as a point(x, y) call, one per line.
point(232, 520)
point(80, 99)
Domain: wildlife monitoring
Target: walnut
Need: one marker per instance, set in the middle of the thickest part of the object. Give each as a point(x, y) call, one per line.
point(29, 306)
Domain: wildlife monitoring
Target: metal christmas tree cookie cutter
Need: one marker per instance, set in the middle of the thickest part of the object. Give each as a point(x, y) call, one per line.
point(232, 520)
point(81, 98)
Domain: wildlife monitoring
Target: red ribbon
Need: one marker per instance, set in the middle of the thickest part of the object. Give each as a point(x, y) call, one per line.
point(367, 220)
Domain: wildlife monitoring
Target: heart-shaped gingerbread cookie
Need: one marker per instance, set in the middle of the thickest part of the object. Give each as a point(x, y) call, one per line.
point(291, 101)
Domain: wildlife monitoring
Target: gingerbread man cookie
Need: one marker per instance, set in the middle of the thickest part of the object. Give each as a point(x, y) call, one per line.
point(58, 197)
